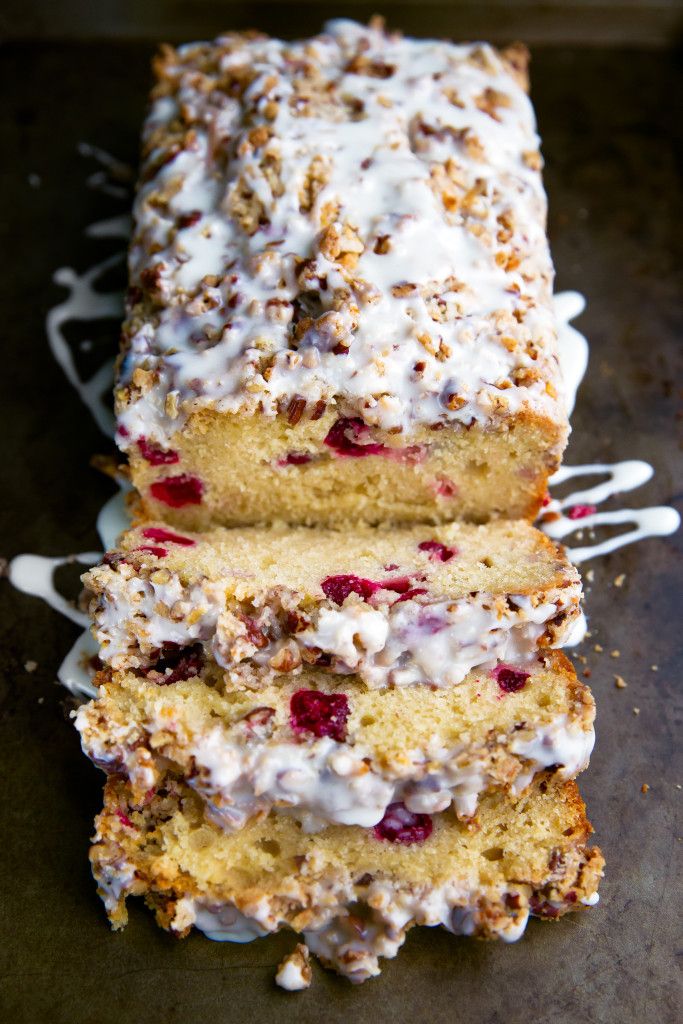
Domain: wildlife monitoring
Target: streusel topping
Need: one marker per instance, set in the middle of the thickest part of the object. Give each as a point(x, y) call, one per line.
point(355, 219)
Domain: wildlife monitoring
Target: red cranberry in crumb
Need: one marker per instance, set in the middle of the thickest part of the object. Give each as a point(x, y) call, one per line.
point(122, 431)
point(155, 454)
point(438, 552)
point(176, 664)
point(338, 588)
point(178, 491)
point(294, 459)
point(153, 550)
point(445, 488)
point(347, 436)
point(581, 511)
point(323, 714)
point(510, 679)
point(399, 584)
point(410, 594)
point(124, 819)
point(546, 499)
point(344, 437)
point(399, 825)
point(167, 536)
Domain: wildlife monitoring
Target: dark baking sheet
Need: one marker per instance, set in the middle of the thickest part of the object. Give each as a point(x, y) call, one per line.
point(607, 117)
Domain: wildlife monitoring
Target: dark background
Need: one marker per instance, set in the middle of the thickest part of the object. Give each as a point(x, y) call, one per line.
point(605, 81)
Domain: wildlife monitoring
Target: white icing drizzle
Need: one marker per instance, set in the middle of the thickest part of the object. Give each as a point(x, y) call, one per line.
point(658, 521)
point(34, 574)
point(85, 303)
point(572, 346)
point(75, 672)
point(111, 173)
point(113, 518)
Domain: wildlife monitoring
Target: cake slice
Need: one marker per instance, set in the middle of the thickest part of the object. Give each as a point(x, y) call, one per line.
point(396, 607)
point(329, 751)
point(340, 299)
point(353, 892)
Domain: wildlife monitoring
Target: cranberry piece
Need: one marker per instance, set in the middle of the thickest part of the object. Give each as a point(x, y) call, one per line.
point(153, 550)
point(295, 459)
point(323, 714)
point(178, 491)
point(124, 819)
point(400, 584)
point(445, 488)
point(167, 536)
point(546, 499)
point(338, 588)
point(410, 594)
point(122, 431)
point(155, 454)
point(581, 511)
point(510, 679)
point(438, 552)
point(176, 664)
point(399, 825)
point(344, 437)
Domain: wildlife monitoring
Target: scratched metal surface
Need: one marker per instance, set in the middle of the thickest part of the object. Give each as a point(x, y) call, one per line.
point(607, 118)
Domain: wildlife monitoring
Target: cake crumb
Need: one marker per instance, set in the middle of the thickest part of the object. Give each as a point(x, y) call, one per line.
point(590, 575)
point(678, 786)
point(654, 668)
point(599, 648)
point(620, 683)
point(586, 673)
point(636, 711)
point(30, 666)
point(294, 973)
point(645, 788)
point(619, 580)
point(615, 654)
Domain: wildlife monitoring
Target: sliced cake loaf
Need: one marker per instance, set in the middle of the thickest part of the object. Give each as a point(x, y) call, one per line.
point(327, 749)
point(353, 892)
point(340, 304)
point(396, 607)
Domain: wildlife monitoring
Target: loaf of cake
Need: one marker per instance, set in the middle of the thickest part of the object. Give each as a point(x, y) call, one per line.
point(335, 752)
point(396, 607)
point(340, 303)
point(353, 892)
